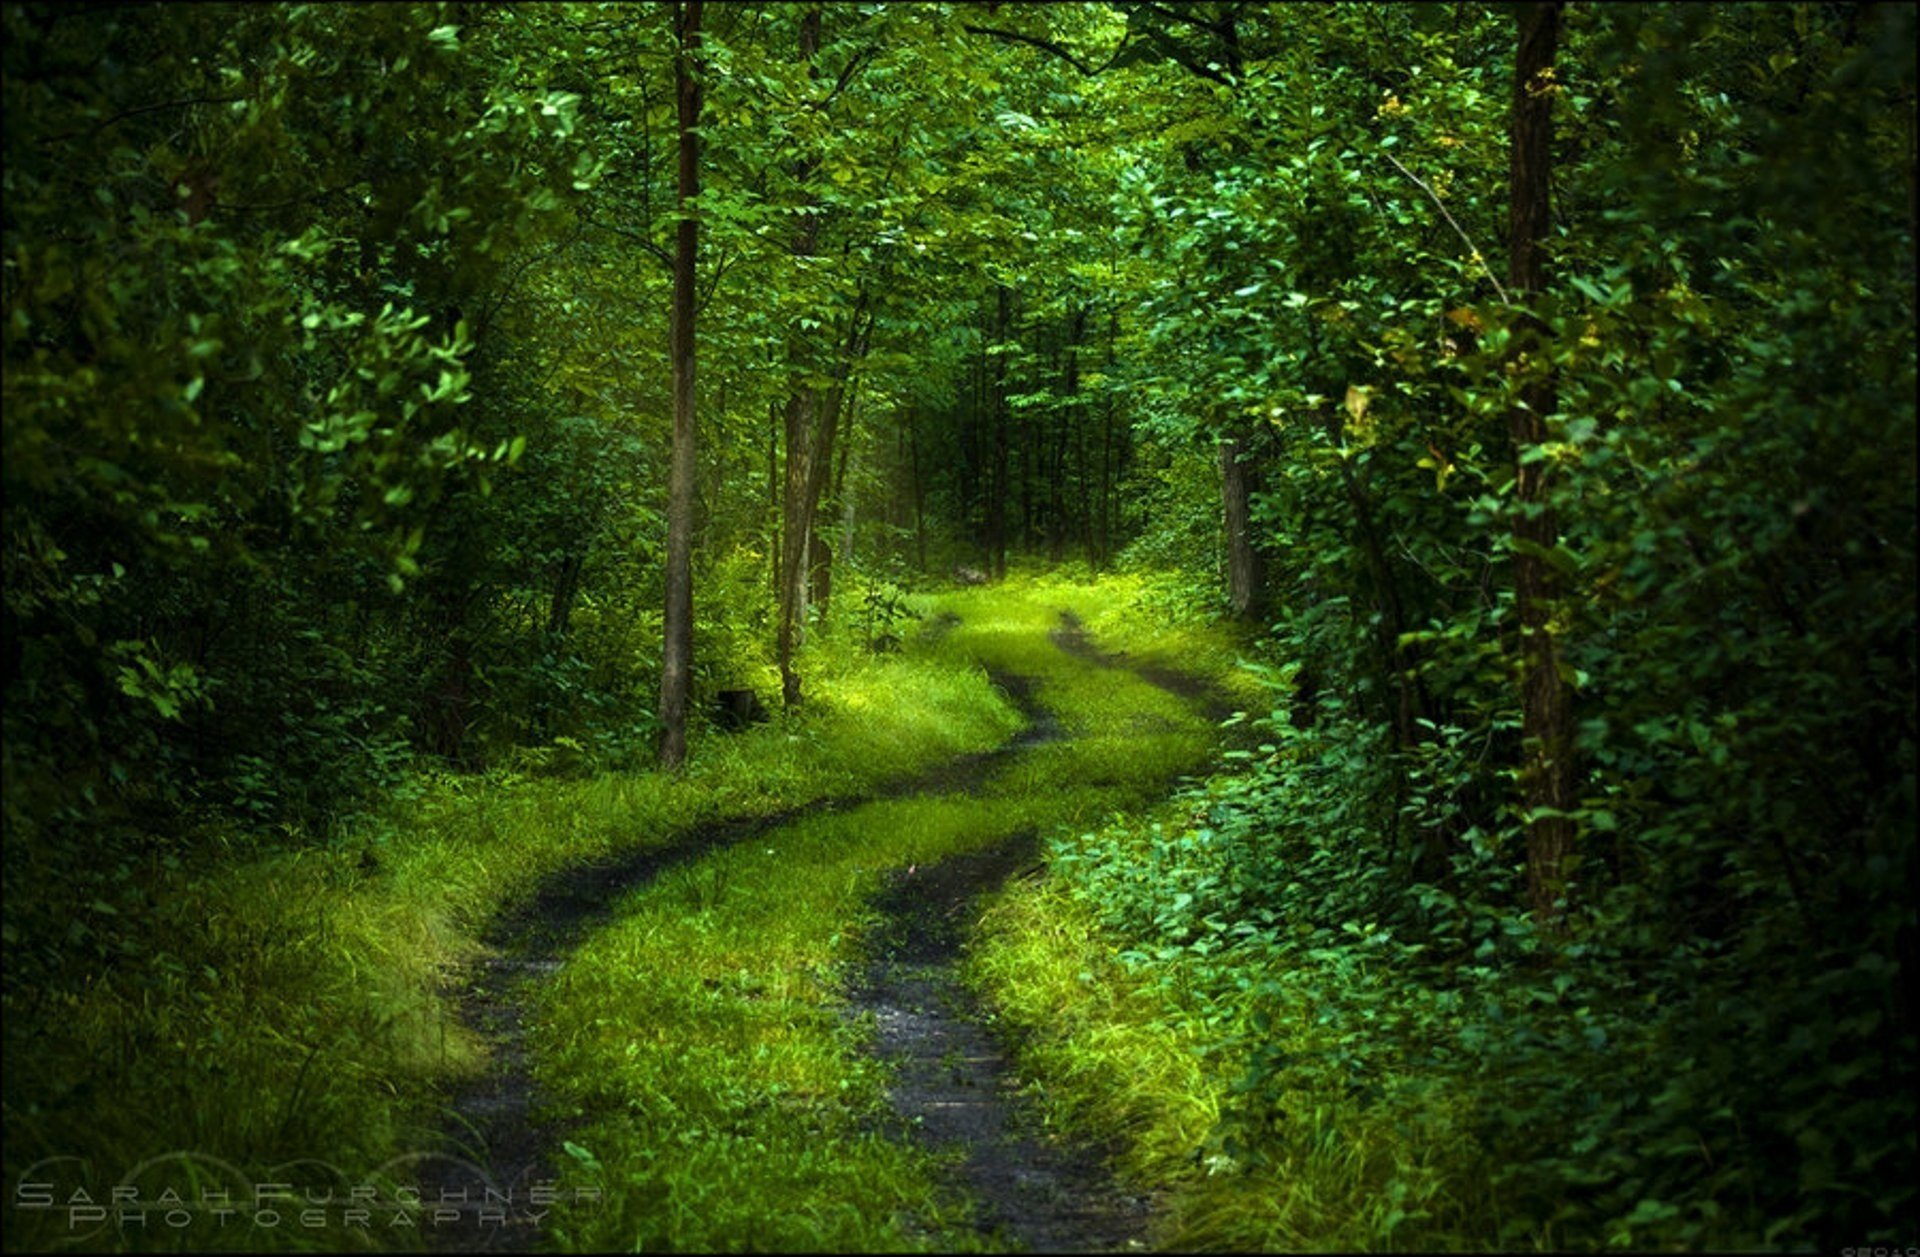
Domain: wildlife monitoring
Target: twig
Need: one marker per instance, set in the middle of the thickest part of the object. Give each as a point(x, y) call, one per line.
point(1465, 239)
point(1046, 45)
point(135, 112)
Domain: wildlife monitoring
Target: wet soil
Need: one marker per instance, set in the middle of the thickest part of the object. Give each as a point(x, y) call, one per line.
point(486, 1193)
point(956, 1088)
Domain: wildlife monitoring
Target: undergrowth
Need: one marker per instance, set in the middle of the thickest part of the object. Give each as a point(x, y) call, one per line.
point(1138, 981)
point(1316, 1038)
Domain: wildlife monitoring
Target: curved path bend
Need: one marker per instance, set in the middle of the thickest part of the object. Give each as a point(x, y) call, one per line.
point(955, 1088)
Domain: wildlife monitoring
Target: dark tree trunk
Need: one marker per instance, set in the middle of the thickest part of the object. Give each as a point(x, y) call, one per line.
point(1243, 559)
point(842, 490)
point(820, 573)
point(676, 656)
point(802, 414)
point(566, 587)
point(997, 496)
point(773, 498)
point(1104, 533)
point(919, 487)
point(813, 421)
point(803, 418)
point(1548, 778)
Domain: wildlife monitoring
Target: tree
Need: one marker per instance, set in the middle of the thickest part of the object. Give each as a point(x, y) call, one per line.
point(676, 660)
point(1548, 776)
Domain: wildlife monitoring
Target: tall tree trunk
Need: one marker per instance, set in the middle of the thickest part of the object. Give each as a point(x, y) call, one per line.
point(1000, 479)
point(1083, 459)
point(774, 420)
point(802, 420)
point(676, 655)
point(842, 489)
point(919, 487)
point(566, 586)
point(1243, 560)
point(1549, 781)
point(795, 541)
point(813, 422)
point(1107, 460)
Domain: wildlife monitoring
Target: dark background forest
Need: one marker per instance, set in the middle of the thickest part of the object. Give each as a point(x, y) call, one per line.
point(1531, 389)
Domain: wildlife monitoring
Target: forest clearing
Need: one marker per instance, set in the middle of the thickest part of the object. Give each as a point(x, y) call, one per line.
point(968, 626)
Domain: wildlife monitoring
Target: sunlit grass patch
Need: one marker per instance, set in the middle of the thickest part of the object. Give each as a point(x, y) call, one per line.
point(708, 1010)
point(1145, 1051)
point(697, 1044)
point(1093, 1032)
point(1147, 1043)
point(295, 1007)
point(1148, 615)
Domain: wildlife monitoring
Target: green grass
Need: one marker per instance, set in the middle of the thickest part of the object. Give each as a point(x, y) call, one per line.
point(695, 1051)
point(1141, 1051)
point(293, 1007)
point(696, 1045)
point(1145, 1046)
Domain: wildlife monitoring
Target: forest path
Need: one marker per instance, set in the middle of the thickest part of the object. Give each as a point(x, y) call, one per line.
point(955, 1090)
point(484, 1191)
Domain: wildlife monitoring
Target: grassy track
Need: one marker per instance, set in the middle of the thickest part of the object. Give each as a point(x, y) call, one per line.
point(293, 1010)
point(716, 1097)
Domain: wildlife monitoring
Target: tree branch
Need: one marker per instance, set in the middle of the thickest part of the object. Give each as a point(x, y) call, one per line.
point(1044, 45)
point(1188, 19)
point(627, 233)
point(519, 272)
point(1167, 44)
point(1465, 239)
point(124, 114)
point(846, 77)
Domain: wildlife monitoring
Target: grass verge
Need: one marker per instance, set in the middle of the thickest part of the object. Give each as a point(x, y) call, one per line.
point(284, 1019)
point(714, 1094)
point(1146, 1044)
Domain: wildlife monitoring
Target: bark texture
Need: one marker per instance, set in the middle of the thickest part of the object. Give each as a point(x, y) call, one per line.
point(676, 655)
point(1548, 777)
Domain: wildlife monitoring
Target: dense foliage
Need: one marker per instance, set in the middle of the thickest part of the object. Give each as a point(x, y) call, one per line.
point(1716, 1044)
point(336, 434)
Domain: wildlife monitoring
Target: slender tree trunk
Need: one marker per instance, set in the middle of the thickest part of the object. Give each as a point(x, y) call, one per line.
point(676, 656)
point(997, 498)
point(813, 422)
point(802, 418)
point(1243, 560)
point(566, 586)
point(919, 487)
point(1107, 473)
point(1548, 777)
point(802, 408)
point(842, 488)
point(773, 498)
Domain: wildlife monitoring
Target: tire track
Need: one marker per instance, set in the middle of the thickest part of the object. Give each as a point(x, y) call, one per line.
point(956, 1088)
point(481, 1192)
